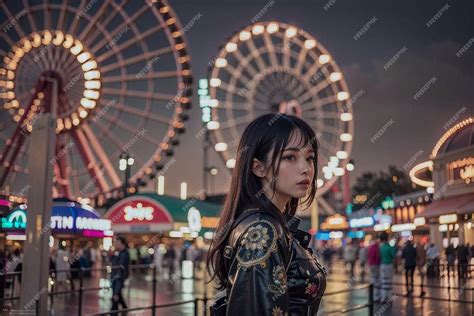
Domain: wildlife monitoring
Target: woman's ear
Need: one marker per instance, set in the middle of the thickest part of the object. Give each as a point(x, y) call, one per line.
point(258, 168)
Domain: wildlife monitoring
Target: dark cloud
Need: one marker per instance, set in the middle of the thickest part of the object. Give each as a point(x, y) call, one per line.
point(388, 94)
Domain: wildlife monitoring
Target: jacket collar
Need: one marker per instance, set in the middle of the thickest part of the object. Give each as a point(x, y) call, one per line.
point(292, 222)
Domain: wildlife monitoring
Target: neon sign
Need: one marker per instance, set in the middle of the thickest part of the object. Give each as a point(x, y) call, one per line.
point(462, 169)
point(194, 219)
point(16, 220)
point(403, 227)
point(334, 222)
point(388, 203)
point(448, 219)
point(139, 212)
point(70, 223)
point(362, 222)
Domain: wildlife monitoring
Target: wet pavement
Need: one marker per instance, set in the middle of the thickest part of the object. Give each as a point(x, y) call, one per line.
point(138, 293)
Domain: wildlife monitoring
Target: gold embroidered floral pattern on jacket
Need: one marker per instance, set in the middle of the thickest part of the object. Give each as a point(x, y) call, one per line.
point(279, 279)
point(311, 289)
point(258, 242)
point(256, 238)
point(277, 311)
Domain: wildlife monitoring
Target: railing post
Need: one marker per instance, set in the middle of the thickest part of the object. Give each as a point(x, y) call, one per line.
point(449, 287)
point(53, 284)
point(196, 301)
point(154, 290)
point(371, 299)
point(205, 302)
point(81, 291)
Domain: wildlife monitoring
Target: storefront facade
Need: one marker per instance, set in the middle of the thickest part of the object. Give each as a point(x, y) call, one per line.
point(69, 221)
point(450, 215)
point(153, 214)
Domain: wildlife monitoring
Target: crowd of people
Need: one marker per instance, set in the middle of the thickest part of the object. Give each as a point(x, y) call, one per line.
point(167, 256)
point(383, 259)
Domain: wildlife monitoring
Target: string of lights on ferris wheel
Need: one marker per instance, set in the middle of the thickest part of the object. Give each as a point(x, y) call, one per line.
point(269, 56)
point(117, 81)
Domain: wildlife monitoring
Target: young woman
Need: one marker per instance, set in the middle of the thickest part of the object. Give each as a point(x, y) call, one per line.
point(259, 256)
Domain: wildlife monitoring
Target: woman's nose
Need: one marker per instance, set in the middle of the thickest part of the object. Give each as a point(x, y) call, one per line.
point(305, 168)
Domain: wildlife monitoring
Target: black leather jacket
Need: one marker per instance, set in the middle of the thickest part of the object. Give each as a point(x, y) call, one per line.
point(270, 272)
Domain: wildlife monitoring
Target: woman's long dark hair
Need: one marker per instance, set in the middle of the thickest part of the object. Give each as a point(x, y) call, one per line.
point(264, 134)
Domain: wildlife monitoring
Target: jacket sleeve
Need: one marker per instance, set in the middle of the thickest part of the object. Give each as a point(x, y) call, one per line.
point(260, 283)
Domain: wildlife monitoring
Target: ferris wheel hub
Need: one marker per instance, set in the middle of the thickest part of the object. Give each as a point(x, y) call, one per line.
point(76, 70)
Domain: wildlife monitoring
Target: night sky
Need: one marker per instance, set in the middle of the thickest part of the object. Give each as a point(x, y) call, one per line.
point(425, 34)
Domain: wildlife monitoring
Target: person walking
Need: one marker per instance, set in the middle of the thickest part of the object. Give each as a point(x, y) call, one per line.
point(373, 259)
point(350, 256)
point(169, 259)
point(432, 255)
point(463, 257)
point(420, 263)
point(450, 258)
point(62, 267)
point(387, 256)
point(409, 255)
point(362, 260)
point(119, 275)
point(327, 256)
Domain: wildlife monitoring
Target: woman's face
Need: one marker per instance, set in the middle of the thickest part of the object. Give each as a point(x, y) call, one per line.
point(296, 172)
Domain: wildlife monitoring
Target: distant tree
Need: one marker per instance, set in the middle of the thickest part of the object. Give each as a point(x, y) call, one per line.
point(375, 186)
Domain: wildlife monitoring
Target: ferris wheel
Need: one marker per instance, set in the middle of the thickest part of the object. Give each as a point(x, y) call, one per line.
point(125, 80)
point(276, 67)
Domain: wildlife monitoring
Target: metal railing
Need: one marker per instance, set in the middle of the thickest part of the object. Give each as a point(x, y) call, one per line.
point(204, 299)
point(81, 290)
point(448, 288)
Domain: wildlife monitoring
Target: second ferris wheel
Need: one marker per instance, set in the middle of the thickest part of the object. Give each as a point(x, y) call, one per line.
point(273, 67)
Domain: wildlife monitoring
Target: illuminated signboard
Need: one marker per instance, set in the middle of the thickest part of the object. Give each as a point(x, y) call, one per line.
point(336, 234)
point(358, 234)
point(448, 219)
point(334, 222)
point(367, 221)
point(204, 100)
point(209, 222)
point(403, 227)
point(381, 227)
point(419, 221)
point(462, 169)
point(139, 214)
point(388, 203)
point(194, 219)
point(383, 218)
point(67, 217)
point(16, 220)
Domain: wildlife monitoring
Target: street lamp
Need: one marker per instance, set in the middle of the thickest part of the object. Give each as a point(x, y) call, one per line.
point(350, 165)
point(213, 171)
point(125, 164)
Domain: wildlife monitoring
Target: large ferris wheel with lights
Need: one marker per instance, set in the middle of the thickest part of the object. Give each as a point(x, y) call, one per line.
point(275, 67)
point(125, 79)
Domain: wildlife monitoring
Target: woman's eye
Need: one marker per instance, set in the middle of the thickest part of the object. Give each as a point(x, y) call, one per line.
point(289, 157)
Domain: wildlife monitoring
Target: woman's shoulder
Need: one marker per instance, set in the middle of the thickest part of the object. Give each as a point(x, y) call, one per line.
point(256, 237)
point(255, 218)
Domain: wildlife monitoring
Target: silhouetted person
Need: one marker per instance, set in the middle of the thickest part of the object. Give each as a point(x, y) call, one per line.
point(387, 257)
point(118, 276)
point(450, 258)
point(463, 257)
point(420, 262)
point(433, 260)
point(409, 254)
